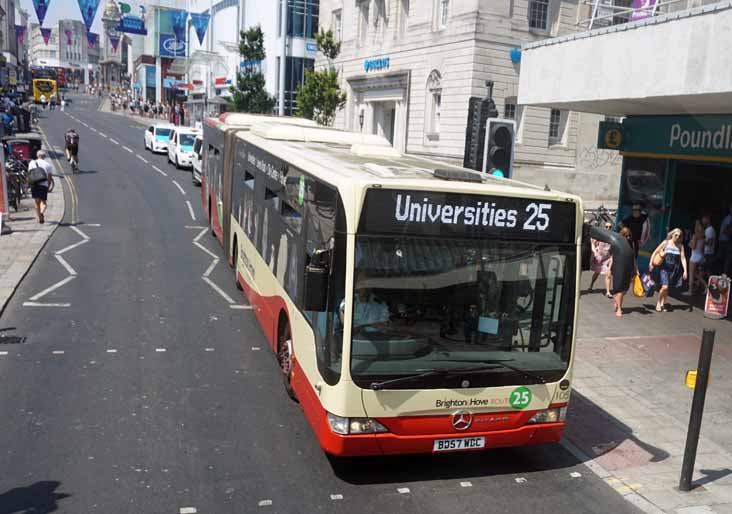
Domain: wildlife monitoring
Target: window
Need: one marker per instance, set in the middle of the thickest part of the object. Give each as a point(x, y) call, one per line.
point(363, 20)
point(295, 75)
point(539, 14)
point(337, 24)
point(302, 18)
point(509, 110)
point(512, 111)
point(380, 20)
point(403, 17)
point(434, 103)
point(444, 9)
point(557, 126)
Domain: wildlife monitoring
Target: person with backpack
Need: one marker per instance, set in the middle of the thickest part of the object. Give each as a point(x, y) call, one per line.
point(72, 146)
point(40, 177)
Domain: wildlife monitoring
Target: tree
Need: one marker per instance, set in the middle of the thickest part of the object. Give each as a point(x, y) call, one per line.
point(320, 96)
point(249, 94)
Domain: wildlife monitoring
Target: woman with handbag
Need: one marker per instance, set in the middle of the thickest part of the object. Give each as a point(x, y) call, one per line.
point(669, 259)
point(601, 262)
point(618, 300)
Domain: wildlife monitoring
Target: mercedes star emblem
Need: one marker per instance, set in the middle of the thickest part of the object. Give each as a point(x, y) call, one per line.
point(462, 420)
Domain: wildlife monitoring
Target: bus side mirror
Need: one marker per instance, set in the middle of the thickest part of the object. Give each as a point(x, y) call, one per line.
point(316, 288)
point(623, 266)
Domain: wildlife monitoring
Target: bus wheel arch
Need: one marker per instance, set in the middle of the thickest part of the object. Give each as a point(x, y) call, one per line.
point(285, 353)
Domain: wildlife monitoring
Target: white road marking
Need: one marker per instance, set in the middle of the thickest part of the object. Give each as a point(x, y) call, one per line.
point(36, 304)
point(200, 235)
point(194, 226)
point(82, 234)
point(218, 290)
point(187, 510)
point(87, 126)
point(575, 474)
point(403, 490)
point(142, 158)
point(190, 209)
point(103, 135)
point(159, 350)
point(336, 497)
point(520, 480)
point(211, 267)
point(71, 247)
point(53, 288)
point(255, 348)
point(208, 350)
point(93, 129)
point(160, 171)
point(265, 503)
point(57, 352)
point(93, 224)
point(66, 265)
point(113, 141)
point(182, 191)
point(466, 484)
point(3, 353)
point(241, 307)
point(111, 350)
point(213, 255)
point(128, 149)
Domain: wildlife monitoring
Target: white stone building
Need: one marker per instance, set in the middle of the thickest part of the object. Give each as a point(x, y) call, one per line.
point(40, 54)
point(410, 67)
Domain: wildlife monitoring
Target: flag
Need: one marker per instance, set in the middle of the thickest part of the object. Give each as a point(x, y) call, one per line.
point(46, 33)
point(115, 42)
point(68, 36)
point(41, 7)
point(88, 10)
point(91, 39)
point(20, 33)
point(200, 23)
point(178, 18)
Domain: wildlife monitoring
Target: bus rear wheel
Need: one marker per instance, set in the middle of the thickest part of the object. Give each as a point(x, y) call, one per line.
point(284, 356)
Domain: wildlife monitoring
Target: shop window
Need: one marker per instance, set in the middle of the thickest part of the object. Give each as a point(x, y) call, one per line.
point(434, 104)
point(539, 14)
point(557, 127)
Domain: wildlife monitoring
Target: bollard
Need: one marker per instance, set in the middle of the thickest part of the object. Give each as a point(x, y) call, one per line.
point(697, 409)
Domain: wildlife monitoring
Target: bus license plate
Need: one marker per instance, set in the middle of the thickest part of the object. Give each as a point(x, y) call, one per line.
point(464, 443)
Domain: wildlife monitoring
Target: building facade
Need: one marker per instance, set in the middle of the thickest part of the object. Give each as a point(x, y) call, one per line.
point(40, 53)
point(409, 68)
point(21, 19)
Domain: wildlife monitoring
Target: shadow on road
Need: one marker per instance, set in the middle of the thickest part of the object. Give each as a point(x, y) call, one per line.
point(39, 498)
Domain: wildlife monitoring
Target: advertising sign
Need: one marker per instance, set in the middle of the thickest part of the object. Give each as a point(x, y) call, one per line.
point(132, 25)
point(643, 9)
point(169, 46)
point(717, 301)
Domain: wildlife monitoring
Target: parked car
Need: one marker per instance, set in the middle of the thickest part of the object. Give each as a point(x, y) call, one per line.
point(156, 137)
point(180, 146)
point(197, 159)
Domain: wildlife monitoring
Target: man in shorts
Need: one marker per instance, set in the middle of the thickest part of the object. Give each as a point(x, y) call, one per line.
point(41, 188)
point(72, 145)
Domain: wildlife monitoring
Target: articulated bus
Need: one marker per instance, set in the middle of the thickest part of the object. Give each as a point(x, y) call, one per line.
point(218, 134)
point(413, 306)
point(44, 87)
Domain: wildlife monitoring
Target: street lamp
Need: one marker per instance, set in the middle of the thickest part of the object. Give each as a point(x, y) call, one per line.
point(360, 120)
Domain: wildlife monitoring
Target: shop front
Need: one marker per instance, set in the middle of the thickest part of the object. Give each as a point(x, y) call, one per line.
point(677, 168)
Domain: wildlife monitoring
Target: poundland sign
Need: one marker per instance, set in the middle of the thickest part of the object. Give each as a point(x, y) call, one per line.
point(705, 137)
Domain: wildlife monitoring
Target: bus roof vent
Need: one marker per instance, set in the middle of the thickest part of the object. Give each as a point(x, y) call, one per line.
point(457, 175)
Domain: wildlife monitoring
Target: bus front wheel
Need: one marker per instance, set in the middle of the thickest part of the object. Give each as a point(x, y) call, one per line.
point(284, 355)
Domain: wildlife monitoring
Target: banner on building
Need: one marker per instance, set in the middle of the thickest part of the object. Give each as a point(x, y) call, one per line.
point(91, 39)
point(132, 25)
point(114, 40)
point(46, 33)
point(41, 7)
point(68, 36)
point(20, 33)
point(88, 11)
point(200, 24)
point(124, 8)
point(178, 19)
point(170, 46)
point(642, 9)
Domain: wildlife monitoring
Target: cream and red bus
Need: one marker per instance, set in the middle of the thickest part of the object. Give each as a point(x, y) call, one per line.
point(216, 170)
point(413, 306)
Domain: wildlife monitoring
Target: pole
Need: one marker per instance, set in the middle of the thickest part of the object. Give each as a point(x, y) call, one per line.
point(697, 409)
point(283, 56)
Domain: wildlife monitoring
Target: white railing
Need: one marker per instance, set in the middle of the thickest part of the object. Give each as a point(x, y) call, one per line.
point(604, 13)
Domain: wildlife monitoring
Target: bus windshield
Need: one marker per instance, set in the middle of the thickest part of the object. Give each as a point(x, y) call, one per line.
point(422, 304)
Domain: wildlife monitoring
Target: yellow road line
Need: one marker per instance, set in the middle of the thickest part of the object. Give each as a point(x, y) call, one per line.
point(67, 179)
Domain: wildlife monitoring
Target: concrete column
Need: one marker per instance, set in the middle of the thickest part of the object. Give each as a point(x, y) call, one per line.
point(158, 80)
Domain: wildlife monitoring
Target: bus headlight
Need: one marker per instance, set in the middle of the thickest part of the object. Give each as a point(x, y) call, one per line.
point(345, 426)
point(549, 416)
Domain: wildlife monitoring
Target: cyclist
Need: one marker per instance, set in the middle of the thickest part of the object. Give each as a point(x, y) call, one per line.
point(72, 147)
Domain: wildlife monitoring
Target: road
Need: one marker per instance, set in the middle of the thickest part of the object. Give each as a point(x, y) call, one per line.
point(135, 387)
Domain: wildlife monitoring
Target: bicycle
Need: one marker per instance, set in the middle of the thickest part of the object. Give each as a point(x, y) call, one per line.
point(17, 178)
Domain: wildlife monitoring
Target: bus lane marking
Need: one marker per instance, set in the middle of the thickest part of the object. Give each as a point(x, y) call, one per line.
point(51, 288)
point(216, 288)
point(37, 304)
point(190, 210)
point(66, 265)
point(182, 191)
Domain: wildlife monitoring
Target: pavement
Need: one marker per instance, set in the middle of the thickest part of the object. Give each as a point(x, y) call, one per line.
point(19, 249)
point(144, 384)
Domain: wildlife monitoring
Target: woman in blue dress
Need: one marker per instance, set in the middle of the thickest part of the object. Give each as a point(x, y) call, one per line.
point(669, 260)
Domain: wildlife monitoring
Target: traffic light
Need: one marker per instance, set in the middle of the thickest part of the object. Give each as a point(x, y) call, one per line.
point(498, 151)
point(479, 111)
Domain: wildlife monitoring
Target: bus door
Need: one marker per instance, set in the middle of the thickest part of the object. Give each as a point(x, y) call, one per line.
point(229, 153)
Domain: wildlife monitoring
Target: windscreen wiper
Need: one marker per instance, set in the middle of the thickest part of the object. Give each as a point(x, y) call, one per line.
point(433, 373)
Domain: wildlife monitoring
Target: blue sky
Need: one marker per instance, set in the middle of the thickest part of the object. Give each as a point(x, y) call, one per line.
point(63, 9)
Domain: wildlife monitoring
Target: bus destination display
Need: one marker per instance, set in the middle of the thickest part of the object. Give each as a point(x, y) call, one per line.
point(450, 214)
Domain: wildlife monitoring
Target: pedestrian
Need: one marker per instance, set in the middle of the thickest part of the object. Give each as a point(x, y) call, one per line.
point(636, 222)
point(53, 103)
point(63, 103)
point(669, 260)
point(601, 262)
point(725, 242)
point(696, 270)
point(620, 295)
point(43, 101)
point(8, 122)
point(710, 241)
point(40, 187)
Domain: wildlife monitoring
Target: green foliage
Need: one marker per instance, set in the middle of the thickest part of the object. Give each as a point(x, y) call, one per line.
point(249, 94)
point(320, 97)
